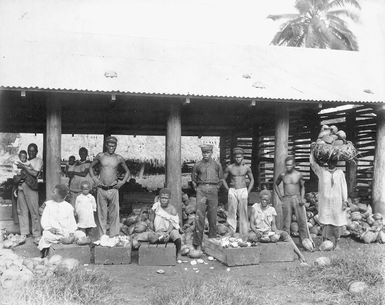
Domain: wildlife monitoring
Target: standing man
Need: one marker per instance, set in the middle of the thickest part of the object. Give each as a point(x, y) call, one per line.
point(293, 199)
point(28, 196)
point(108, 186)
point(207, 176)
point(238, 192)
point(80, 174)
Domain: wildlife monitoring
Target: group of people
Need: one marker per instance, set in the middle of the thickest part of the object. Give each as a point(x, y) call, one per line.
point(58, 216)
point(208, 176)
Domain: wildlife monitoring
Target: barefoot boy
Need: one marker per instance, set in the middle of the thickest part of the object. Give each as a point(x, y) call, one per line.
point(293, 198)
point(238, 192)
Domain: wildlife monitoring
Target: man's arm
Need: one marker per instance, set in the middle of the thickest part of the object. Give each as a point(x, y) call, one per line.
point(273, 225)
point(92, 173)
point(225, 176)
point(276, 186)
point(313, 164)
point(194, 176)
point(302, 189)
point(220, 175)
point(126, 175)
point(83, 173)
point(251, 177)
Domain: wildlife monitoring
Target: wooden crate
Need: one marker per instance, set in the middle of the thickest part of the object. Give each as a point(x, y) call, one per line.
point(81, 253)
point(262, 253)
point(110, 256)
point(157, 254)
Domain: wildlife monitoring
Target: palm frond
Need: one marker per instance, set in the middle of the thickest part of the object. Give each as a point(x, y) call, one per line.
point(343, 3)
point(289, 33)
point(345, 35)
point(346, 13)
point(282, 16)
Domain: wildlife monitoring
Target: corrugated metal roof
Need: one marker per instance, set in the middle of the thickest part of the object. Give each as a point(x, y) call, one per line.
point(75, 60)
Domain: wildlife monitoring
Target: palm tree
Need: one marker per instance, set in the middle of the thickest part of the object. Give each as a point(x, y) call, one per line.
point(319, 24)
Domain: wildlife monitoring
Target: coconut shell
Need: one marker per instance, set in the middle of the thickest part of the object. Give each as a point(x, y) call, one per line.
point(294, 227)
point(356, 216)
point(381, 237)
point(253, 237)
point(222, 229)
point(322, 261)
point(370, 220)
point(328, 139)
point(314, 230)
point(68, 239)
point(341, 135)
point(338, 142)
point(265, 239)
point(140, 227)
point(195, 253)
point(326, 245)
point(369, 237)
point(358, 287)
point(308, 244)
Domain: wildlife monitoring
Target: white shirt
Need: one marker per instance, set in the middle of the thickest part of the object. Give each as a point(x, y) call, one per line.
point(36, 164)
point(59, 215)
point(263, 217)
point(85, 206)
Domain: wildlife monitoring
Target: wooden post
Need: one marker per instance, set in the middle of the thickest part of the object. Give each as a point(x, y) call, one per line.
point(351, 167)
point(233, 144)
point(53, 148)
point(280, 153)
point(222, 151)
point(315, 124)
point(255, 155)
point(173, 156)
point(379, 166)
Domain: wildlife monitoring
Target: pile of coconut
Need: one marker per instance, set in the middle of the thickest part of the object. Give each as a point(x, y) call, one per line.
point(16, 270)
point(332, 144)
point(363, 225)
point(10, 240)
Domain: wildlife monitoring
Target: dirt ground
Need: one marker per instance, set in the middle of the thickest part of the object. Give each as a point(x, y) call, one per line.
point(135, 282)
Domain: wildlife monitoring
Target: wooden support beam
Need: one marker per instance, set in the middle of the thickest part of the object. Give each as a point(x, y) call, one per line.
point(379, 166)
point(351, 167)
point(53, 146)
point(280, 152)
point(173, 156)
point(255, 155)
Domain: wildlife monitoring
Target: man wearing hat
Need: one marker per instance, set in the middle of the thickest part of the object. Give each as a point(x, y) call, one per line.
point(238, 192)
point(207, 176)
point(108, 186)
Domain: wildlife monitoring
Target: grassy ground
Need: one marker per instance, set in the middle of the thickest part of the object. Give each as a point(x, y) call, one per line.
point(215, 284)
point(74, 288)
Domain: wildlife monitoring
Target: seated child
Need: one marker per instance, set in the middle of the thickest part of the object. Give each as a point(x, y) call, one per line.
point(165, 220)
point(58, 220)
point(85, 206)
point(19, 177)
point(262, 224)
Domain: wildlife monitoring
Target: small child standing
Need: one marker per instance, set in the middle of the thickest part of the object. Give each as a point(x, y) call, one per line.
point(19, 177)
point(85, 206)
point(70, 167)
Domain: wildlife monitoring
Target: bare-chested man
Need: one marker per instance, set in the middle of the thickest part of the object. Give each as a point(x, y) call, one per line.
point(238, 192)
point(108, 186)
point(293, 198)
